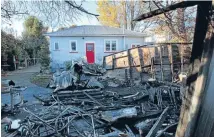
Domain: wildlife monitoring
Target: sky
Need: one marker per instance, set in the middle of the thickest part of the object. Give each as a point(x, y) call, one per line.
point(91, 6)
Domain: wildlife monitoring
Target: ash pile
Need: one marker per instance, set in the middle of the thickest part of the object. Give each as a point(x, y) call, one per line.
point(82, 106)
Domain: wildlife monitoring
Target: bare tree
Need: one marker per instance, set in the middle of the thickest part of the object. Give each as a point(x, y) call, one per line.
point(133, 9)
point(51, 12)
point(179, 22)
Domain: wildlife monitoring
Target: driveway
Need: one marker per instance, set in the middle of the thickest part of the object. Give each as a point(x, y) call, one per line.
point(22, 78)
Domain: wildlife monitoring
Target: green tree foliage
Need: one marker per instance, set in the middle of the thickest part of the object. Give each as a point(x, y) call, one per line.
point(33, 27)
point(8, 42)
point(44, 54)
point(35, 43)
point(10, 46)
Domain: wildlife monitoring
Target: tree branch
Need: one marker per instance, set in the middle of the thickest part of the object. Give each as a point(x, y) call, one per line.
point(80, 8)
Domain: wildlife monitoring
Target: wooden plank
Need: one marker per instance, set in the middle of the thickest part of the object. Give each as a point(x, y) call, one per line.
point(130, 68)
point(122, 62)
point(141, 63)
point(152, 56)
point(135, 56)
point(93, 99)
point(161, 62)
point(121, 54)
point(182, 59)
point(140, 57)
point(104, 62)
point(202, 52)
point(108, 62)
point(169, 63)
point(146, 56)
point(168, 43)
point(120, 57)
point(147, 66)
point(150, 14)
point(135, 61)
point(205, 123)
point(171, 60)
point(158, 123)
point(146, 47)
point(113, 61)
point(152, 68)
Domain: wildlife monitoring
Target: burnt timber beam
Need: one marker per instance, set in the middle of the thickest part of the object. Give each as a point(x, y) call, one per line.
point(201, 55)
point(93, 99)
point(160, 43)
point(182, 4)
point(158, 123)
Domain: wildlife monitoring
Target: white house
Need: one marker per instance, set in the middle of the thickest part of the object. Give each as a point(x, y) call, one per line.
point(90, 41)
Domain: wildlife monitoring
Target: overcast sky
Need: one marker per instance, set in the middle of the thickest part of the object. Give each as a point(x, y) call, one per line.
point(91, 6)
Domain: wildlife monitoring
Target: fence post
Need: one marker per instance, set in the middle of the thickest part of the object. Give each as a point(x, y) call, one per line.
point(182, 59)
point(113, 61)
point(104, 62)
point(11, 99)
point(25, 62)
point(14, 62)
point(161, 62)
point(152, 67)
point(34, 61)
point(130, 66)
point(171, 61)
point(141, 62)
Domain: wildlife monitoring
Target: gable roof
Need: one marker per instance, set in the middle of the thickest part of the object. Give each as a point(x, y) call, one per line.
point(94, 30)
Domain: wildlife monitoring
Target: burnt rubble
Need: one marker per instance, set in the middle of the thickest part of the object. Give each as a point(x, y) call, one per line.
point(85, 103)
point(153, 110)
point(77, 78)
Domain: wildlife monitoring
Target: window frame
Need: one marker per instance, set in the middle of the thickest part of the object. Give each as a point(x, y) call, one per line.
point(111, 41)
point(135, 45)
point(70, 46)
point(55, 46)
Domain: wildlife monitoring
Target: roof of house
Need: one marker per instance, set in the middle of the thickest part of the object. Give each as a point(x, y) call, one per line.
point(95, 30)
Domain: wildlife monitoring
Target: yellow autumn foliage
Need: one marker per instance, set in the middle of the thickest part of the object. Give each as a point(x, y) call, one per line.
point(108, 11)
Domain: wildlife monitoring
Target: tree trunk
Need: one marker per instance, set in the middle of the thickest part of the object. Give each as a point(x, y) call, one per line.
point(124, 14)
point(181, 25)
point(132, 9)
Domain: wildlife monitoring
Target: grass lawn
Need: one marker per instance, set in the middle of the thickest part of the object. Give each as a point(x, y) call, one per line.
point(41, 80)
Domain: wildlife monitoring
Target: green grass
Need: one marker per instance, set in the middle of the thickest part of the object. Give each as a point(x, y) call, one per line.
point(41, 80)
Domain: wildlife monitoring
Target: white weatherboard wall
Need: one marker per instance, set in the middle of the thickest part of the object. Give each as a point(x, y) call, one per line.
point(58, 57)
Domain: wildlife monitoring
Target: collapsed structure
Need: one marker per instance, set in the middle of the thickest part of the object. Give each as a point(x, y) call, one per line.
point(96, 105)
point(150, 108)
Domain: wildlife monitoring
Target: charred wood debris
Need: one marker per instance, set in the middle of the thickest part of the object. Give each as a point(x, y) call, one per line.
point(81, 105)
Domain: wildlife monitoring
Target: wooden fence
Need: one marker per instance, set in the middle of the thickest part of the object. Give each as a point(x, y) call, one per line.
point(162, 60)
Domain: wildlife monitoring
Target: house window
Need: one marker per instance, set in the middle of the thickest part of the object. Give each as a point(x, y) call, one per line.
point(56, 46)
point(135, 45)
point(110, 45)
point(114, 45)
point(73, 46)
point(90, 47)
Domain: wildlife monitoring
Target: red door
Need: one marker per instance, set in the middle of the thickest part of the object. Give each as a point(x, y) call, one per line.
point(90, 52)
